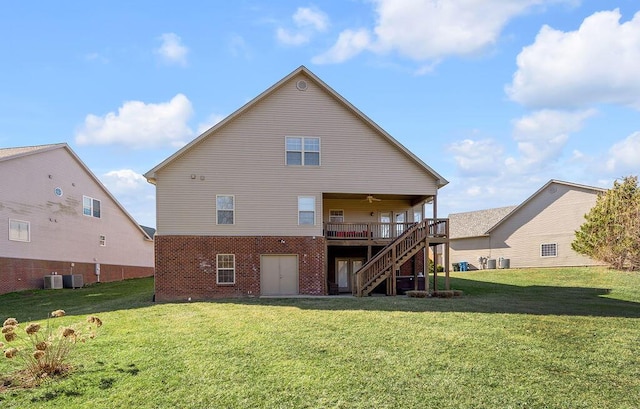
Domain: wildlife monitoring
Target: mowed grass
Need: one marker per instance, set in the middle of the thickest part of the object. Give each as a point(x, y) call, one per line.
point(552, 338)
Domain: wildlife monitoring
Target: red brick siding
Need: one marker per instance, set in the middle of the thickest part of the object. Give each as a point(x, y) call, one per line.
point(186, 265)
point(25, 274)
point(413, 265)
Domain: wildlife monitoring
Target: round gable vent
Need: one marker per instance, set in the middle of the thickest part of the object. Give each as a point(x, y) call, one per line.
point(301, 85)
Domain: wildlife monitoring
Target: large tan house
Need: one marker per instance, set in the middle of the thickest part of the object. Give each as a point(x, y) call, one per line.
point(296, 192)
point(536, 233)
point(58, 218)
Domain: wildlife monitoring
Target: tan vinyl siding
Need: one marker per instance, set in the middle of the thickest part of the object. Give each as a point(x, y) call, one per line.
point(552, 216)
point(246, 158)
point(59, 230)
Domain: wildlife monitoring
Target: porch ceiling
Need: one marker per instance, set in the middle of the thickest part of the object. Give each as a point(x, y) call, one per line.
point(414, 199)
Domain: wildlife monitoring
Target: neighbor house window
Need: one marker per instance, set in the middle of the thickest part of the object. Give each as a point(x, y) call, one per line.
point(336, 216)
point(103, 240)
point(302, 151)
point(90, 206)
point(19, 230)
point(226, 269)
point(549, 250)
point(225, 208)
point(307, 210)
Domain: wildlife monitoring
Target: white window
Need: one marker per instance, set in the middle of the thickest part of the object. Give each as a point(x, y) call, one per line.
point(549, 250)
point(336, 216)
point(103, 240)
point(307, 210)
point(417, 215)
point(19, 230)
point(90, 207)
point(226, 269)
point(302, 151)
point(225, 209)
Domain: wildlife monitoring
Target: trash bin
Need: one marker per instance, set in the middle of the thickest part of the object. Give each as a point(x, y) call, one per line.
point(464, 266)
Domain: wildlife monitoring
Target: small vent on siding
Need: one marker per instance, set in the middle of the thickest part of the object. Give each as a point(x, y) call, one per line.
point(301, 85)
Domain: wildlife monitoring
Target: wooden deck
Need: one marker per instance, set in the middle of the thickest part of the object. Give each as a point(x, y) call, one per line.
point(376, 234)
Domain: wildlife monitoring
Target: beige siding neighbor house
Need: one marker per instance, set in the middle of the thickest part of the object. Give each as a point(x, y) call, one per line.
point(537, 233)
point(292, 194)
point(58, 217)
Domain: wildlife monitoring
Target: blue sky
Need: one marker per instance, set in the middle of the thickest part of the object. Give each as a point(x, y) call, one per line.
point(498, 96)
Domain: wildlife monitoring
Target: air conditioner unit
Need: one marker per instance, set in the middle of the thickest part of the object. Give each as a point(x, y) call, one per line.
point(73, 281)
point(53, 281)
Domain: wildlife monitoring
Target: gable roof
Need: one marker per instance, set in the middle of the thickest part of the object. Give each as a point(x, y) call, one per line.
point(441, 181)
point(533, 196)
point(7, 154)
point(476, 223)
point(483, 222)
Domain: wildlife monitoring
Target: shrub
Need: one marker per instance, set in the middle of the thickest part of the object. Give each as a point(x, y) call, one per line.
point(41, 353)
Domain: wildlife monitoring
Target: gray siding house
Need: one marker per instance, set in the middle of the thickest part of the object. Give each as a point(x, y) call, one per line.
point(536, 233)
point(296, 192)
point(57, 217)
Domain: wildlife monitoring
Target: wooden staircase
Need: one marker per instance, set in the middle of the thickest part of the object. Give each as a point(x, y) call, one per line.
point(388, 261)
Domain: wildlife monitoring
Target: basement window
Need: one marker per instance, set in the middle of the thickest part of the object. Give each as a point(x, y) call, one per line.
point(549, 250)
point(226, 269)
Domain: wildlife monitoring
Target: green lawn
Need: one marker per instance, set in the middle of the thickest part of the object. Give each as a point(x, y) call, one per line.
point(553, 338)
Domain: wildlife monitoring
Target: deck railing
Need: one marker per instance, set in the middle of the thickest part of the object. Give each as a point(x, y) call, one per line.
point(378, 230)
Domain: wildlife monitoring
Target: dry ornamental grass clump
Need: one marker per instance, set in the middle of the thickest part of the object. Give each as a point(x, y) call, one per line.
point(41, 353)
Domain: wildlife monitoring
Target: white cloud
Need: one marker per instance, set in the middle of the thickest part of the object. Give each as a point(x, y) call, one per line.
point(172, 50)
point(239, 47)
point(598, 63)
point(140, 125)
point(133, 192)
point(542, 136)
point(209, 122)
point(308, 21)
point(477, 158)
point(430, 30)
point(123, 181)
point(623, 156)
point(349, 44)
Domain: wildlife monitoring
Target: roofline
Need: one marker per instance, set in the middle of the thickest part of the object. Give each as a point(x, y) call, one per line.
point(151, 175)
point(41, 148)
point(560, 182)
point(64, 145)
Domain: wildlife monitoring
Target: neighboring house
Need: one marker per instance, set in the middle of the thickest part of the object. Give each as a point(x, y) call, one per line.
point(292, 194)
point(537, 233)
point(58, 217)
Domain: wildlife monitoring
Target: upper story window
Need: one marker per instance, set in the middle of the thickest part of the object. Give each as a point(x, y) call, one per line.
point(549, 250)
point(90, 206)
point(302, 151)
point(19, 230)
point(307, 210)
point(225, 209)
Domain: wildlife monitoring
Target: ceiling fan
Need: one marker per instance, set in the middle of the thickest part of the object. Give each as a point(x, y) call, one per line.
point(371, 199)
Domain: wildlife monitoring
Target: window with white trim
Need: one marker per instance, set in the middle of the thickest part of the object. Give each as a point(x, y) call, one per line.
point(306, 210)
point(336, 216)
point(19, 230)
point(549, 250)
point(103, 240)
point(226, 269)
point(225, 209)
point(301, 151)
point(90, 207)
